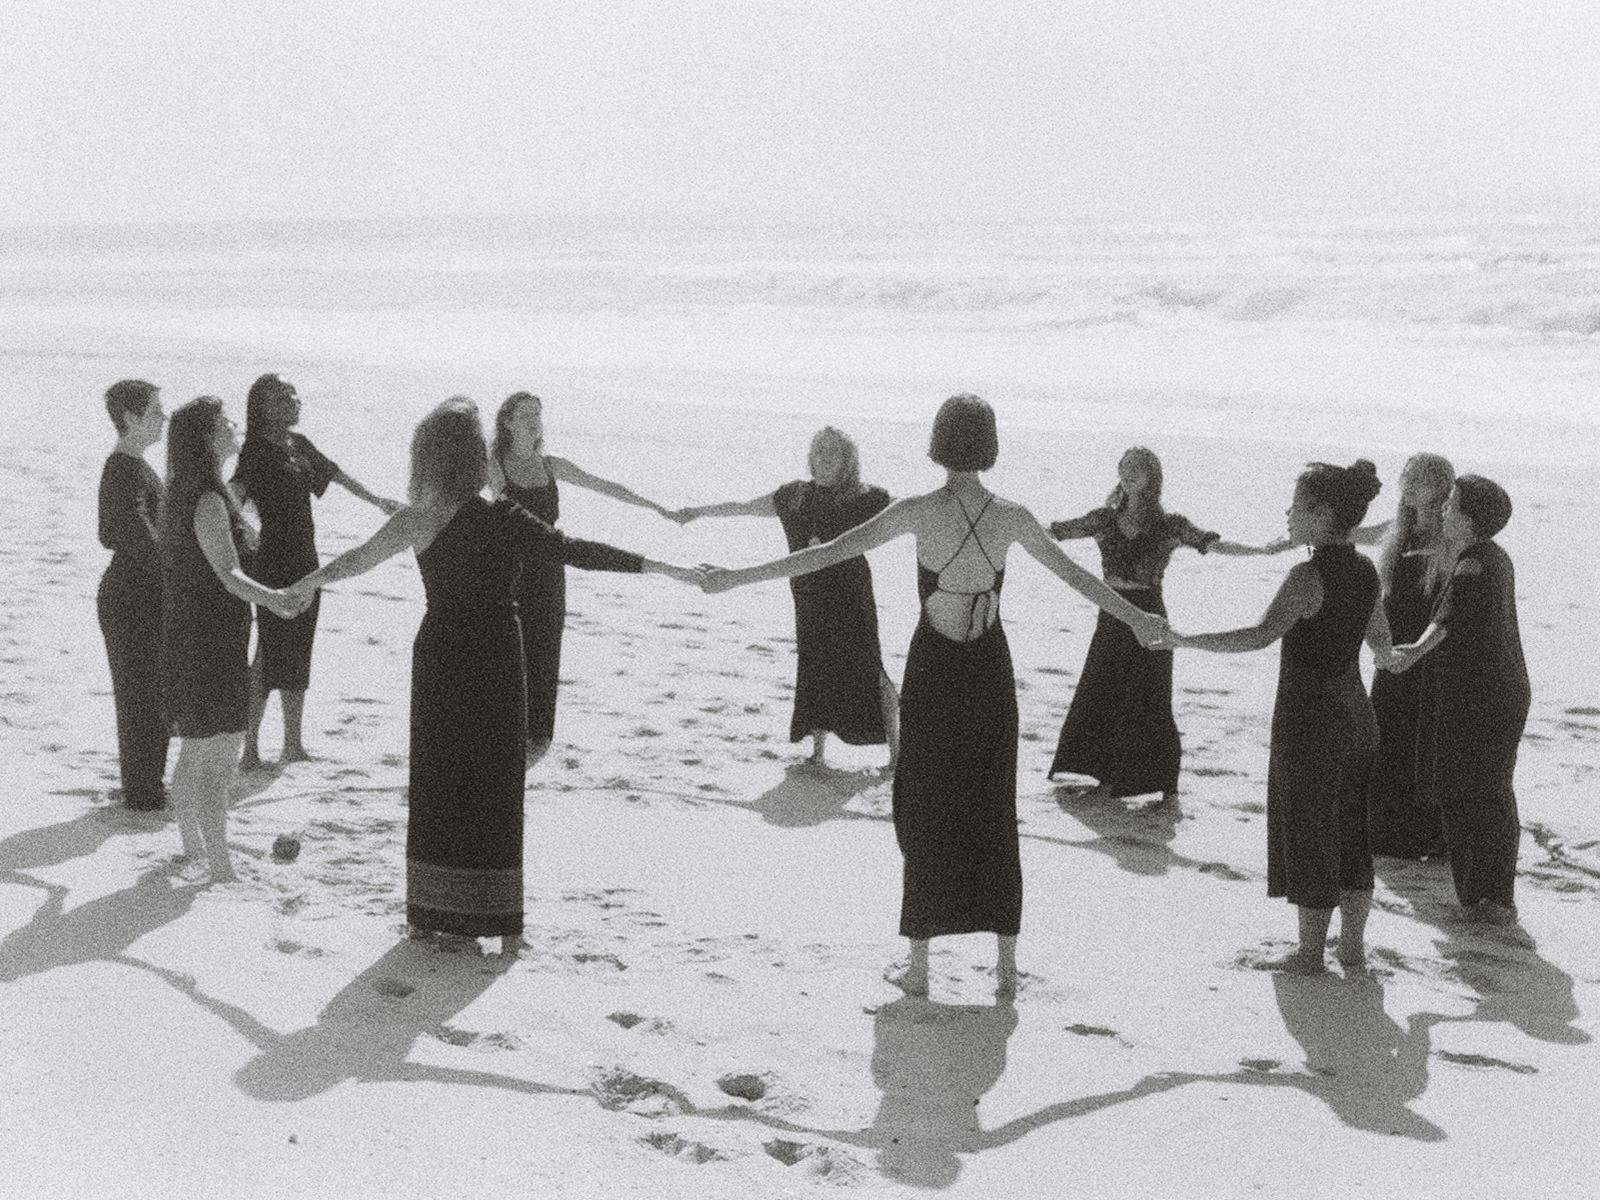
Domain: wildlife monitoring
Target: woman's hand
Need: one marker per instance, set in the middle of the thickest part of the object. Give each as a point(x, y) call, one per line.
point(693, 576)
point(1278, 546)
point(721, 579)
point(386, 506)
point(1059, 529)
point(681, 516)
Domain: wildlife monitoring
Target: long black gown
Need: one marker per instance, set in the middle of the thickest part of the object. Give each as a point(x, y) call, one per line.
point(839, 661)
point(129, 603)
point(955, 790)
point(280, 481)
point(542, 612)
point(469, 717)
point(1404, 817)
point(205, 631)
point(1119, 729)
point(1475, 706)
point(1323, 739)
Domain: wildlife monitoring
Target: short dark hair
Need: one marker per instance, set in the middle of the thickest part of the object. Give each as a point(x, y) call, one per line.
point(449, 458)
point(127, 399)
point(964, 436)
point(1485, 503)
point(1346, 490)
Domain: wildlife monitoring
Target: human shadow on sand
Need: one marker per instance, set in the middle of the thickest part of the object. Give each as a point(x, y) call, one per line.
point(811, 795)
point(52, 845)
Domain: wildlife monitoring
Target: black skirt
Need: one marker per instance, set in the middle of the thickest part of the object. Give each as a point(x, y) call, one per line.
point(542, 612)
point(839, 668)
point(468, 717)
point(955, 789)
point(1119, 728)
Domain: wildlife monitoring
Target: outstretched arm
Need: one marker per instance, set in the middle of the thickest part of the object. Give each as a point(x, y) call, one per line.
point(399, 532)
point(1299, 597)
point(212, 531)
point(1244, 550)
point(1370, 535)
point(762, 506)
point(361, 493)
point(891, 523)
point(569, 472)
point(1031, 536)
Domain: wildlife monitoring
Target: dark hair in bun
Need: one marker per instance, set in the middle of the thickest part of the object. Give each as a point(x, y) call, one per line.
point(1485, 503)
point(1345, 490)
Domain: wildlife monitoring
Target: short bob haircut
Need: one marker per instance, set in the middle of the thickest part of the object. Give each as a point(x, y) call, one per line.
point(1485, 503)
point(127, 399)
point(449, 458)
point(964, 437)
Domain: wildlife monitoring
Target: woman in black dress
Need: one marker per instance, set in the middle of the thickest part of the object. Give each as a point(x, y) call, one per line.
point(129, 599)
point(1405, 819)
point(205, 643)
point(468, 697)
point(1119, 729)
point(279, 470)
point(955, 787)
point(840, 685)
point(521, 471)
point(1323, 731)
point(1475, 698)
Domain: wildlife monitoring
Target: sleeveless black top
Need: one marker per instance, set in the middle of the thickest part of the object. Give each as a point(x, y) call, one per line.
point(1327, 644)
point(982, 607)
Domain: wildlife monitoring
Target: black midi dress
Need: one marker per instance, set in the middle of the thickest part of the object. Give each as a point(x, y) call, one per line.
point(1323, 738)
point(839, 662)
point(542, 613)
point(205, 630)
point(1404, 816)
point(1119, 728)
point(955, 789)
point(469, 716)
point(128, 604)
point(280, 479)
point(1475, 707)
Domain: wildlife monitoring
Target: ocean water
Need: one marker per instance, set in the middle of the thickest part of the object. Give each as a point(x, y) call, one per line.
point(1477, 329)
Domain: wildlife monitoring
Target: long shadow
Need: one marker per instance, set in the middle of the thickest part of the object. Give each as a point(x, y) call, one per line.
point(1514, 983)
point(807, 795)
point(53, 845)
point(100, 930)
point(1139, 839)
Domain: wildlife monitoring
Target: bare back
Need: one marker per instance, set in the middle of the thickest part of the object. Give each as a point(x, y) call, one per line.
point(962, 539)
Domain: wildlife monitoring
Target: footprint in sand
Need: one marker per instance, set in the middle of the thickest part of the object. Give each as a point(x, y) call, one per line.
point(387, 985)
point(827, 1163)
point(1262, 1065)
point(1222, 871)
point(1099, 1031)
point(621, 1090)
point(743, 1086)
point(671, 1144)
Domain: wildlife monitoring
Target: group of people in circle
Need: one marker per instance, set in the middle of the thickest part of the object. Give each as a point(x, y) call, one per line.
point(1422, 767)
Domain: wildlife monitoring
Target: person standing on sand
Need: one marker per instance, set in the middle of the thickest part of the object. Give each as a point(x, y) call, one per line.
point(840, 685)
point(1323, 731)
point(205, 645)
point(955, 786)
point(279, 470)
point(522, 472)
point(1476, 699)
point(129, 601)
point(1119, 729)
point(1411, 571)
point(468, 696)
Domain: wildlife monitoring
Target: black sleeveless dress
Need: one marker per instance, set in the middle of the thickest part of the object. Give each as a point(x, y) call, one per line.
point(469, 716)
point(205, 631)
point(1323, 739)
point(1404, 818)
point(1119, 729)
point(839, 660)
point(542, 612)
point(955, 789)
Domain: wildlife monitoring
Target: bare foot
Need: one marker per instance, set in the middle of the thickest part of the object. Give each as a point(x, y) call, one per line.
point(1298, 963)
point(511, 946)
point(293, 754)
point(911, 981)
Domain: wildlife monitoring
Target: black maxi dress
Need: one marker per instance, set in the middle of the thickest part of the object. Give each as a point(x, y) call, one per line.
point(280, 481)
point(1323, 738)
point(128, 604)
point(205, 632)
point(1404, 816)
point(1119, 729)
point(839, 662)
point(469, 717)
point(1475, 707)
point(542, 612)
point(955, 789)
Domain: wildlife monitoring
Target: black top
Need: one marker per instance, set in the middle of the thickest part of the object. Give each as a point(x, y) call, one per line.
point(982, 607)
point(1142, 559)
point(1410, 598)
point(280, 480)
point(130, 501)
point(473, 563)
point(1326, 644)
point(543, 501)
point(812, 514)
point(1478, 611)
point(192, 586)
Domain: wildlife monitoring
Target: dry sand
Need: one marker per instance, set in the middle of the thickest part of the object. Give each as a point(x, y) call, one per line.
point(701, 1011)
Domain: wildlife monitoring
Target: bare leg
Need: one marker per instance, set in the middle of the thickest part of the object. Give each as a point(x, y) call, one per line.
point(914, 980)
point(185, 799)
point(1005, 967)
point(258, 708)
point(890, 700)
point(1353, 910)
point(819, 743)
point(1307, 960)
point(216, 784)
point(294, 708)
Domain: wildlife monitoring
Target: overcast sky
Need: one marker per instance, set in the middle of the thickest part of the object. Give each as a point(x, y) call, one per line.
point(1114, 108)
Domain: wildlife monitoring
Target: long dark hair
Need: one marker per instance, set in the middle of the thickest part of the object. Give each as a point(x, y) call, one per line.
point(504, 415)
point(192, 466)
point(448, 458)
point(1440, 476)
point(1146, 506)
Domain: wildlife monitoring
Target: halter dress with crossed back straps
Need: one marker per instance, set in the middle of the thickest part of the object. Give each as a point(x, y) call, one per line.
point(955, 789)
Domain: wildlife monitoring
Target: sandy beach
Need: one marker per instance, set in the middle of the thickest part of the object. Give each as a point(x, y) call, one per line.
point(702, 1010)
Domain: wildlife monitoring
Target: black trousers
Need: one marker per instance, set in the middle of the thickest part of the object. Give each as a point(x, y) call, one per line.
point(129, 606)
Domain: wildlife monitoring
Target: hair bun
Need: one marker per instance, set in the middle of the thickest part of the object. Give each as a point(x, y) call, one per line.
point(1364, 478)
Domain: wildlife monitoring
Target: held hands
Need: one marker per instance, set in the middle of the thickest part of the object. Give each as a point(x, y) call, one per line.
point(720, 579)
point(388, 507)
point(1399, 660)
point(290, 602)
point(1059, 529)
point(680, 516)
point(1153, 632)
point(693, 576)
point(1278, 545)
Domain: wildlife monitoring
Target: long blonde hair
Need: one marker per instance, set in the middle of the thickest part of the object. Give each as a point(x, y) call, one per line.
point(1438, 476)
point(449, 460)
point(849, 477)
point(1147, 504)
